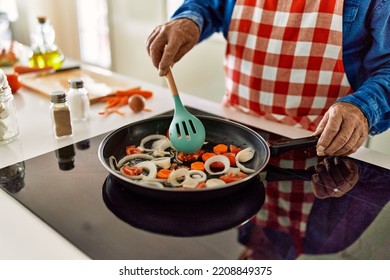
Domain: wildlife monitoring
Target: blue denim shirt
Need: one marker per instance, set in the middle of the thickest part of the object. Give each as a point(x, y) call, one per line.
point(366, 49)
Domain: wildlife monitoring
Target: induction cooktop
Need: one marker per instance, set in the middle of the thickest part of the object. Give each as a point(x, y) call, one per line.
point(301, 205)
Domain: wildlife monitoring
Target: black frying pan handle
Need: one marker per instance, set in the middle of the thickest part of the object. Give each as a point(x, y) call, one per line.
point(278, 147)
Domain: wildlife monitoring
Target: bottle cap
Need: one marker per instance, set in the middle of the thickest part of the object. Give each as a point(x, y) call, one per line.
point(76, 83)
point(41, 19)
point(58, 96)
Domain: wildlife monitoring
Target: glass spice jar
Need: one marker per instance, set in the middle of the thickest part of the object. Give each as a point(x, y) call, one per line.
point(78, 100)
point(9, 128)
point(60, 114)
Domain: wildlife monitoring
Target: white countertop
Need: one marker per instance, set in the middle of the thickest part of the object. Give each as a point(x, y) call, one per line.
point(22, 234)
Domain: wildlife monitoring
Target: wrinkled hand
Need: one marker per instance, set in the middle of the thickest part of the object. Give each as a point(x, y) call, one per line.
point(168, 43)
point(334, 177)
point(343, 129)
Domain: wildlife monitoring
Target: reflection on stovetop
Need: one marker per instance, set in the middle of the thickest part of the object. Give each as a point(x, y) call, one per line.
point(313, 208)
point(184, 218)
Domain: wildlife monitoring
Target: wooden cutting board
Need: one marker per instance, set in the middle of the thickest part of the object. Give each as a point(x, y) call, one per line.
point(99, 83)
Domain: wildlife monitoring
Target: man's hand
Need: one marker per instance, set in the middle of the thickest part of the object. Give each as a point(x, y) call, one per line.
point(343, 129)
point(168, 43)
point(334, 177)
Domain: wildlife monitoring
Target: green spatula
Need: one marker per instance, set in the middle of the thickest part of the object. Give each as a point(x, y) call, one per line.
point(186, 132)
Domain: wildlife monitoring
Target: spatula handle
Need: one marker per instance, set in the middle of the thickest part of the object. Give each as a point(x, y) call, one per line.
point(171, 83)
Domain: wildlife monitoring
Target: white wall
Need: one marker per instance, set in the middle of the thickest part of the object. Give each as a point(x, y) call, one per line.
point(380, 143)
point(200, 72)
point(62, 15)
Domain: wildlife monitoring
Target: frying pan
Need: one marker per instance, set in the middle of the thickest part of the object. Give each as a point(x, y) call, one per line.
point(183, 218)
point(218, 130)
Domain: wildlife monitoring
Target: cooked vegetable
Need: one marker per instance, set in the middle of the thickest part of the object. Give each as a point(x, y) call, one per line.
point(218, 158)
point(136, 103)
point(163, 173)
point(197, 165)
point(220, 149)
point(214, 183)
point(155, 162)
point(122, 97)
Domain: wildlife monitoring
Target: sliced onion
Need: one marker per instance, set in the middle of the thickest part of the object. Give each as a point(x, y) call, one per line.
point(153, 137)
point(245, 169)
point(159, 143)
point(245, 155)
point(150, 167)
point(154, 184)
point(210, 183)
point(218, 158)
point(234, 170)
point(113, 163)
point(163, 162)
point(133, 156)
point(198, 175)
point(190, 183)
point(176, 175)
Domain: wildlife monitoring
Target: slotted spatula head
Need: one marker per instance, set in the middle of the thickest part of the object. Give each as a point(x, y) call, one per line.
point(186, 132)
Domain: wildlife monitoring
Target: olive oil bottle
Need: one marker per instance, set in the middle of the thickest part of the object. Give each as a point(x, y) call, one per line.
point(44, 50)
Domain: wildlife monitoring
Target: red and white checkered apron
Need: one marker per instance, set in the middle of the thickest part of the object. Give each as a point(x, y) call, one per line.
point(284, 59)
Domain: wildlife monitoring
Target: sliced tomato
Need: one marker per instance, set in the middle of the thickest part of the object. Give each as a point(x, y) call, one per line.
point(230, 177)
point(201, 185)
point(231, 157)
point(234, 149)
point(132, 150)
point(132, 170)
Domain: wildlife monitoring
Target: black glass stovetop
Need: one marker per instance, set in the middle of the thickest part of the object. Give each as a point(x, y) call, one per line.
point(301, 206)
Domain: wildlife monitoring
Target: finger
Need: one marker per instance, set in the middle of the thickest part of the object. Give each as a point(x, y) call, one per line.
point(151, 38)
point(326, 178)
point(167, 59)
point(321, 125)
point(344, 142)
point(334, 173)
point(157, 48)
point(348, 169)
point(318, 187)
point(182, 51)
point(331, 129)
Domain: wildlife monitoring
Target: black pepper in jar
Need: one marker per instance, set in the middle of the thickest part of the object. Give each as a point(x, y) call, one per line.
point(60, 114)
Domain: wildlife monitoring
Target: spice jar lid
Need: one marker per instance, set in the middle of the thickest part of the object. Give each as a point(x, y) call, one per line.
point(41, 19)
point(58, 96)
point(76, 83)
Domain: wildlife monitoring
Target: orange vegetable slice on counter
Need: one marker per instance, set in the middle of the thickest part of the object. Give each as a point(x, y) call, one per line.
point(121, 98)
